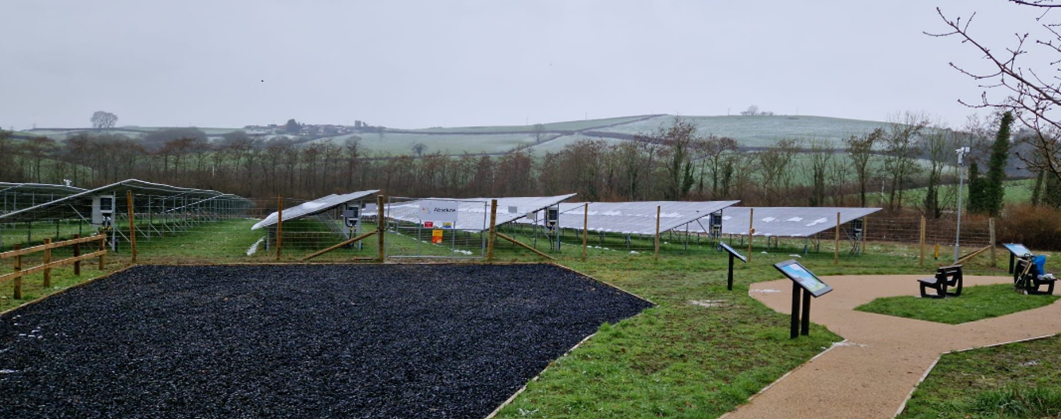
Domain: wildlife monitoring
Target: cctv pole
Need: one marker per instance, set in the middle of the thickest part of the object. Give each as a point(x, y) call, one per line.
point(961, 187)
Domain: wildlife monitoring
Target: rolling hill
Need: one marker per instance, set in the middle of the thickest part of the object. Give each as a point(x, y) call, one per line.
point(751, 132)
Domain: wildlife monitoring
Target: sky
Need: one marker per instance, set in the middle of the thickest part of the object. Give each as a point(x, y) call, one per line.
point(413, 64)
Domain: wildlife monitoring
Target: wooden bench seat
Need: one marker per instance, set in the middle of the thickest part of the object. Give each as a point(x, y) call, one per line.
point(946, 276)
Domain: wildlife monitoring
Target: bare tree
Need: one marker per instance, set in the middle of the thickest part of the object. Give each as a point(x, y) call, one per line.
point(820, 155)
point(901, 152)
point(678, 140)
point(419, 148)
point(712, 155)
point(776, 170)
point(1013, 81)
point(860, 152)
point(938, 145)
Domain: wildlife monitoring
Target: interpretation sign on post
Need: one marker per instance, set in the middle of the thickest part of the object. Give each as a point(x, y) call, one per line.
point(805, 284)
point(733, 254)
point(1017, 250)
point(438, 213)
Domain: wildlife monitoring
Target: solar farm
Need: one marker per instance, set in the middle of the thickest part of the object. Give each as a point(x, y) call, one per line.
point(144, 299)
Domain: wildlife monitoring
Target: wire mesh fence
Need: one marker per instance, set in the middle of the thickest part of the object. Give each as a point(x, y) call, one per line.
point(223, 229)
point(414, 236)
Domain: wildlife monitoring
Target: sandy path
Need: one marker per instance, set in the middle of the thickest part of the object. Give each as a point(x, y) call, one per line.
point(884, 357)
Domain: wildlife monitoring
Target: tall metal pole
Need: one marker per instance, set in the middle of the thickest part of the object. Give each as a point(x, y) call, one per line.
point(961, 188)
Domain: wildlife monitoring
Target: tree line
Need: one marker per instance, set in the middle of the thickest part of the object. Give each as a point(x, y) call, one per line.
point(674, 162)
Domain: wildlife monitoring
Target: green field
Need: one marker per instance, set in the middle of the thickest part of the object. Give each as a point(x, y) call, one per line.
point(679, 359)
point(1018, 380)
point(1017, 192)
point(551, 126)
point(758, 131)
point(402, 143)
point(762, 131)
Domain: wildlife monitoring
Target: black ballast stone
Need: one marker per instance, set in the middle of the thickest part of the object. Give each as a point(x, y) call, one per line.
point(365, 341)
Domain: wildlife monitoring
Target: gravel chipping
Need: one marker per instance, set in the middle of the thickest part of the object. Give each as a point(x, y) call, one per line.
point(313, 341)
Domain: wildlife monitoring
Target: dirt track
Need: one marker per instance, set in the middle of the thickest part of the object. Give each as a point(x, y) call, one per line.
point(871, 374)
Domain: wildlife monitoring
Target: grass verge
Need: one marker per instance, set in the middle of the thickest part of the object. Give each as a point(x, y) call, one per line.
point(1018, 380)
point(975, 303)
point(678, 359)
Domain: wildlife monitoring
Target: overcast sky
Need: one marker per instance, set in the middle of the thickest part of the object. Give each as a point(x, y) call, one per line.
point(452, 63)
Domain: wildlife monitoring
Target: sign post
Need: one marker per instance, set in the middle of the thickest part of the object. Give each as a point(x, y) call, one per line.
point(733, 254)
point(1017, 250)
point(804, 285)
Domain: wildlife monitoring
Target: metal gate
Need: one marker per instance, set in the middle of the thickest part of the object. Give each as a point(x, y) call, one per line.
point(413, 232)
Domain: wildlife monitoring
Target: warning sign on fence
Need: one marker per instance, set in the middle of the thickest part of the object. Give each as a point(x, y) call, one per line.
point(436, 236)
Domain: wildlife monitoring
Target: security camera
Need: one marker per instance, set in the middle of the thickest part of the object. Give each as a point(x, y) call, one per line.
point(962, 151)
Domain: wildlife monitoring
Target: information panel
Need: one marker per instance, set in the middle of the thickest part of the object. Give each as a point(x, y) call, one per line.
point(805, 278)
point(438, 212)
point(1018, 249)
point(735, 253)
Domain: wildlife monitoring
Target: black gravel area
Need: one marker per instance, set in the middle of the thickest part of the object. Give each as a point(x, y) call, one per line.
point(397, 341)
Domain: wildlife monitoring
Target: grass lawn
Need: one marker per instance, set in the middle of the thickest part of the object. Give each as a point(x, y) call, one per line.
point(975, 303)
point(1018, 380)
point(677, 359)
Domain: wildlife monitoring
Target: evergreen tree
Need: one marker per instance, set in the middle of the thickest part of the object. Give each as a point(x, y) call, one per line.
point(1037, 192)
point(976, 190)
point(994, 191)
point(1052, 192)
point(292, 126)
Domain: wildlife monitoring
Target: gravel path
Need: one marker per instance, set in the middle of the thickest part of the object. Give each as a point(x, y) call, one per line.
point(871, 374)
point(395, 341)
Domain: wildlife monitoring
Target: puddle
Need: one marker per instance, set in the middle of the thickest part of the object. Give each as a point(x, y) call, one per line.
point(709, 303)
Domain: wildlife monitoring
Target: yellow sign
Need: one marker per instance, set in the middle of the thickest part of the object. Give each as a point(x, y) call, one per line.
point(436, 236)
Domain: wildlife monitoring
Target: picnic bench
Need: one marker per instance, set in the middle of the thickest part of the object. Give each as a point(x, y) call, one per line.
point(946, 276)
point(1030, 275)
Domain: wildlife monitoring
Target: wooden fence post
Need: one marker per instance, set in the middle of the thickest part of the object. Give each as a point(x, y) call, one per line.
point(922, 239)
point(751, 231)
point(279, 225)
point(18, 279)
point(47, 260)
point(658, 208)
point(493, 231)
point(585, 226)
point(381, 226)
point(836, 244)
point(102, 247)
point(77, 252)
point(991, 230)
point(132, 222)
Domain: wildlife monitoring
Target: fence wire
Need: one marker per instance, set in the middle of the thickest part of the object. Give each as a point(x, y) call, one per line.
point(171, 230)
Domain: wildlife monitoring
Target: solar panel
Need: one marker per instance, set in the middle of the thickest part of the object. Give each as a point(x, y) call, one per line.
point(315, 206)
point(788, 221)
point(473, 213)
point(637, 217)
point(73, 206)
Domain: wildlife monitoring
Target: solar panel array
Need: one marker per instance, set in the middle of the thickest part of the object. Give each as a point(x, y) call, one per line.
point(315, 206)
point(788, 221)
point(79, 203)
point(473, 213)
point(637, 218)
